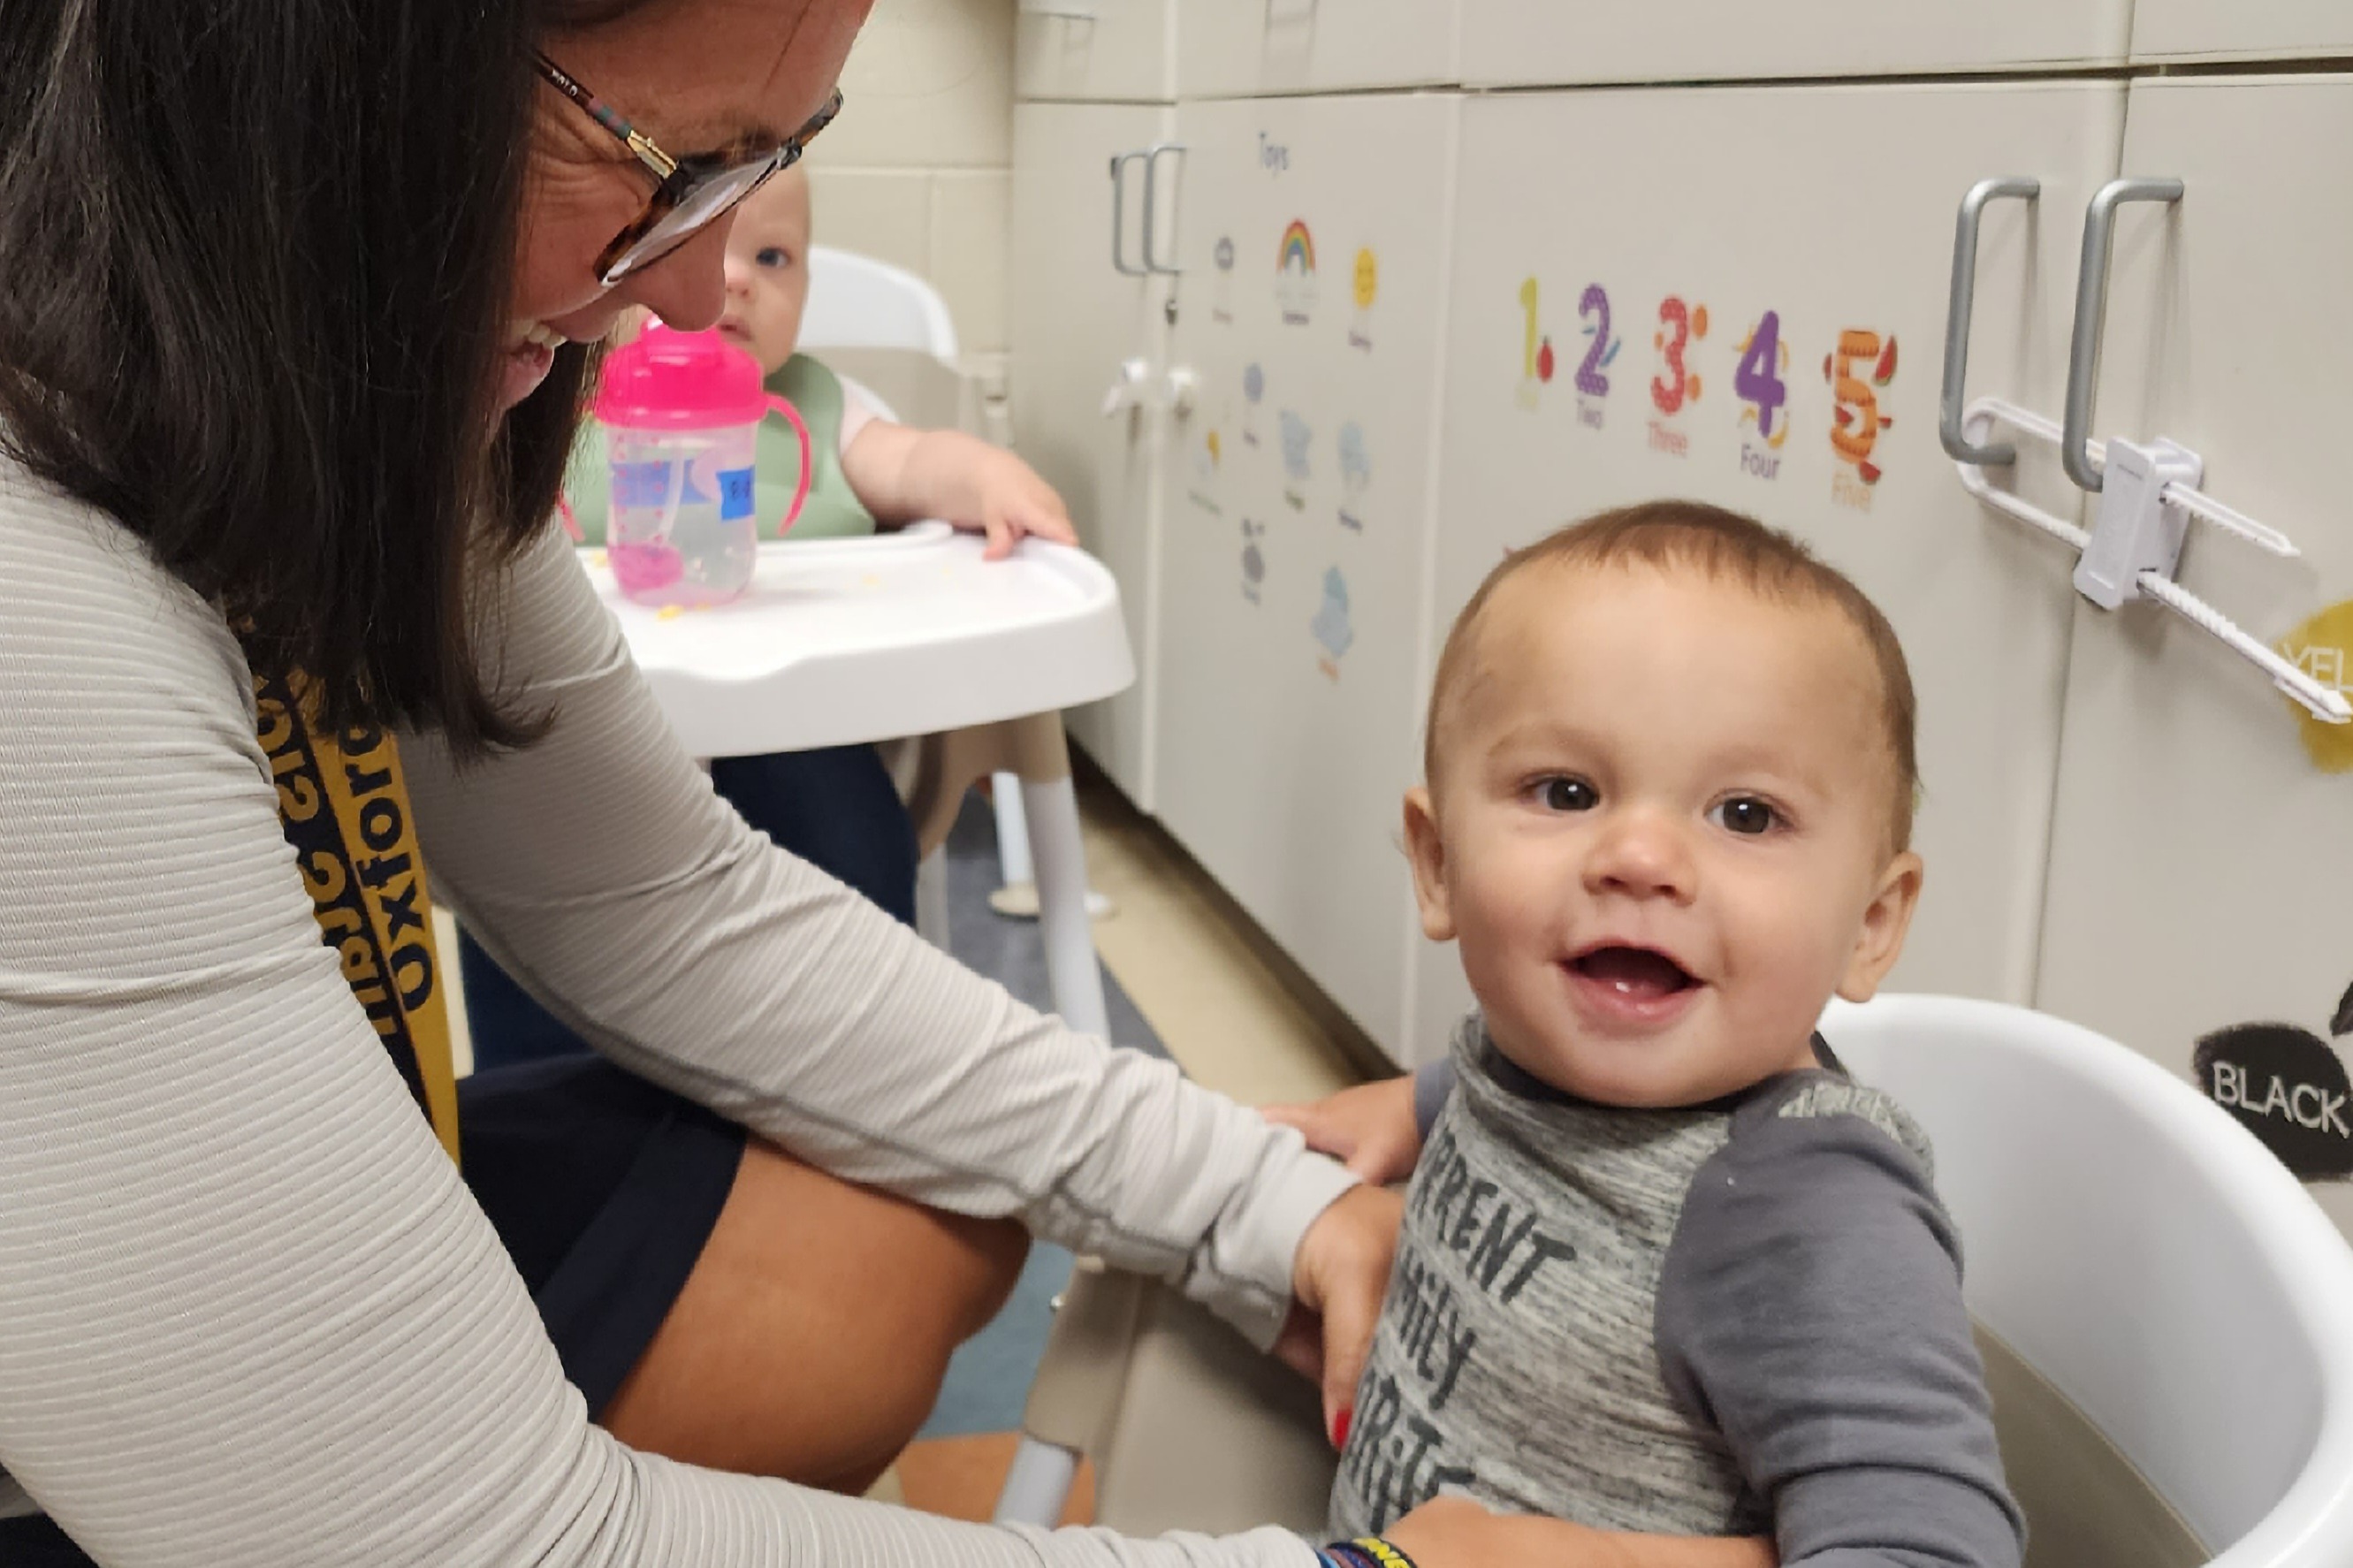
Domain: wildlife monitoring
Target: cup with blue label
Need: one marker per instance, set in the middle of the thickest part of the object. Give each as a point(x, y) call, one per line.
point(682, 414)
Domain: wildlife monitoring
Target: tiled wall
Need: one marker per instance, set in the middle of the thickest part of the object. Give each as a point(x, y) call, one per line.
point(919, 171)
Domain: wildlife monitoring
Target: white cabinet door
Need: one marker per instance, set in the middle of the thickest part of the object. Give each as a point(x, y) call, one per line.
point(1229, 48)
point(2201, 876)
point(1512, 43)
point(1654, 294)
point(2166, 30)
point(1298, 517)
point(1074, 321)
point(1095, 50)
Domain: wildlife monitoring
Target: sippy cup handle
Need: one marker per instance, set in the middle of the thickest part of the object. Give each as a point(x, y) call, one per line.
point(780, 404)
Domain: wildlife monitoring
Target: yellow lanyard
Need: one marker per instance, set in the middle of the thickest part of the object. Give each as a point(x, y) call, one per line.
point(344, 806)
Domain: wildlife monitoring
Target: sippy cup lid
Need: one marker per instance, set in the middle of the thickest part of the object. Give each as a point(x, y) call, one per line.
point(680, 381)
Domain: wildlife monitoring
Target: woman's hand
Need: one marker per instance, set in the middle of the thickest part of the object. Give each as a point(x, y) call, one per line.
point(1012, 500)
point(1339, 1276)
point(1454, 1533)
point(1370, 1127)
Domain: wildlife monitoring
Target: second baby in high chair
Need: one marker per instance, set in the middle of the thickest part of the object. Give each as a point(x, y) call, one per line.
point(866, 471)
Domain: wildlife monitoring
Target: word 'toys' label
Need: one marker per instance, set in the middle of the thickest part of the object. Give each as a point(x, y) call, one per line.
point(2289, 1088)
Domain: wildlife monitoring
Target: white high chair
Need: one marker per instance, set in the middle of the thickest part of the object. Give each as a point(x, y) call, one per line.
point(857, 303)
point(2167, 1317)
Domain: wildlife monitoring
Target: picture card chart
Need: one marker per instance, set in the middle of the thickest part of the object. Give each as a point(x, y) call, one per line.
point(1298, 509)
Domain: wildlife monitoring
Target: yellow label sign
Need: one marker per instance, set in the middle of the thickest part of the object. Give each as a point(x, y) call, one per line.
point(2318, 647)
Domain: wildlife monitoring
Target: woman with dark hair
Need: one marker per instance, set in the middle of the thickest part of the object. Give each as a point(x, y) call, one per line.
point(289, 361)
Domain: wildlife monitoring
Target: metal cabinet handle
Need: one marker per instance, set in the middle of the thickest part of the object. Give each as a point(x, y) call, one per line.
point(1119, 163)
point(1151, 155)
point(1956, 320)
point(2090, 312)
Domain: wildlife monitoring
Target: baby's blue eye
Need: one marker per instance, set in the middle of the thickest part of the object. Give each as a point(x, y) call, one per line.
point(1569, 794)
point(774, 256)
point(1745, 813)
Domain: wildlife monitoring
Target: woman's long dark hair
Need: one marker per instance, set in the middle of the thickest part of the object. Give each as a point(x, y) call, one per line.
point(255, 258)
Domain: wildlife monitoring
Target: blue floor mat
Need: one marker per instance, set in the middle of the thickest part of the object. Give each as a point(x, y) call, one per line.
point(990, 1377)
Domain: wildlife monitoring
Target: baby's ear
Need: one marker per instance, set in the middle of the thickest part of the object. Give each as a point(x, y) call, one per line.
point(1427, 852)
point(1880, 943)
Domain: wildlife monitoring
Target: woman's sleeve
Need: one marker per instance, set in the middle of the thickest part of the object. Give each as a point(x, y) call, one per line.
point(601, 870)
point(249, 1316)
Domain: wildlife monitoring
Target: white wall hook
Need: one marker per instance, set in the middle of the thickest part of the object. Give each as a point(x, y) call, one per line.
point(2147, 496)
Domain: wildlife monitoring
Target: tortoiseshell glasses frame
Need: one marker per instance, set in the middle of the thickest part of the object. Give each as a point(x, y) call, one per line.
point(692, 192)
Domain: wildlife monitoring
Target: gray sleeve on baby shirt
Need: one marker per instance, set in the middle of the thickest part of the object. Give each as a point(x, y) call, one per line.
point(1432, 1084)
point(1810, 1309)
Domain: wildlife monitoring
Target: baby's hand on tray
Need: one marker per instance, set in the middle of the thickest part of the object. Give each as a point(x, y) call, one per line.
point(1370, 1128)
point(1014, 502)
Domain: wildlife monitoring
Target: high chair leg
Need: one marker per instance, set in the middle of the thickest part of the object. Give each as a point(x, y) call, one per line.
point(1038, 1487)
point(1059, 855)
point(932, 900)
point(1012, 832)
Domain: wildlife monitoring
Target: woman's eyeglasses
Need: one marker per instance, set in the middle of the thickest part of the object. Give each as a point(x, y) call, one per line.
point(693, 191)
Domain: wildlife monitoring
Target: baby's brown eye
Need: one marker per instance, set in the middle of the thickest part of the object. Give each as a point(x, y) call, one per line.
point(774, 257)
point(1746, 814)
point(1569, 794)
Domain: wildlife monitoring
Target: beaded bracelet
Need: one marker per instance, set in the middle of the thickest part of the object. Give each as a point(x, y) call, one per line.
point(1365, 1552)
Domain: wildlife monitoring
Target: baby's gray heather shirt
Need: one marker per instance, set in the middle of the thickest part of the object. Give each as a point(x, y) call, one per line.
point(1739, 1318)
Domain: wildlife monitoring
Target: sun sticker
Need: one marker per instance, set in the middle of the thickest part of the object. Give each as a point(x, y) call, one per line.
point(1367, 289)
point(2319, 648)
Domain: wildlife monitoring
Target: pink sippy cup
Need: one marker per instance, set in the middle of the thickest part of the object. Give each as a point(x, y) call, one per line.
point(682, 413)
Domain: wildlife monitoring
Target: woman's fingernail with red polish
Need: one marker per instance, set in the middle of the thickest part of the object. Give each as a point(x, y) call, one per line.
point(1340, 1426)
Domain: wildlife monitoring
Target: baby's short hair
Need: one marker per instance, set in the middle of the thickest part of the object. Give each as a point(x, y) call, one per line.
point(1691, 536)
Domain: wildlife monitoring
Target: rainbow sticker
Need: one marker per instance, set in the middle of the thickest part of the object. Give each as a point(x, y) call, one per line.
point(1298, 249)
point(1295, 274)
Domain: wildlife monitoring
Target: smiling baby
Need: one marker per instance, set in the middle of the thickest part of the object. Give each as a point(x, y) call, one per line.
point(1665, 1266)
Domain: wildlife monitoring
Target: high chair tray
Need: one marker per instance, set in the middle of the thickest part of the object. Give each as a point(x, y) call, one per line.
point(843, 640)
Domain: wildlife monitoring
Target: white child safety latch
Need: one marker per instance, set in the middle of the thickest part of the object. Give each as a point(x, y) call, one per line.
point(2147, 496)
point(2137, 529)
point(1126, 388)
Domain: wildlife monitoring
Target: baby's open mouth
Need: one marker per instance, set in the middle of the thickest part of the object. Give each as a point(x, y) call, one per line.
point(1636, 973)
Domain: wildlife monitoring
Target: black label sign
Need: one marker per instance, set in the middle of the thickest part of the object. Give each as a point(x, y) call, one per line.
point(2288, 1086)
